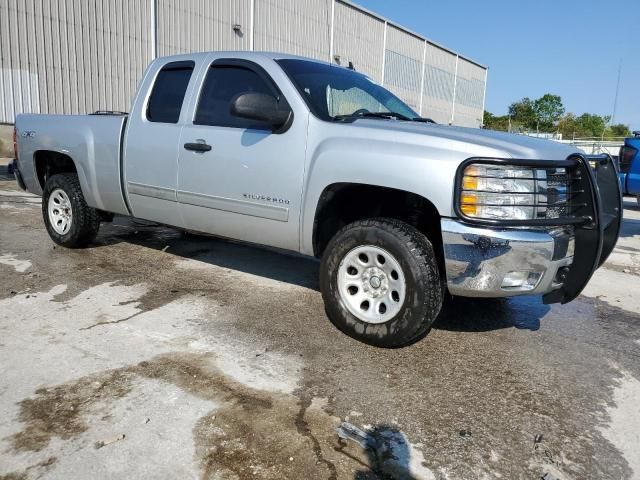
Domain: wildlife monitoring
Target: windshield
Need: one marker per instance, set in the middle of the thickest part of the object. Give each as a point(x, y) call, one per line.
point(334, 92)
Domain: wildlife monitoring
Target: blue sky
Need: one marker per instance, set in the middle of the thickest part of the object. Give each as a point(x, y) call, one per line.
point(566, 47)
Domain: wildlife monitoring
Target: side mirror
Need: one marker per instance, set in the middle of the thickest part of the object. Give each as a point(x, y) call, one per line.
point(262, 107)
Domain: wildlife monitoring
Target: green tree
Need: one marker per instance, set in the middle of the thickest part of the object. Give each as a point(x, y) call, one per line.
point(547, 114)
point(548, 109)
point(569, 126)
point(587, 125)
point(524, 113)
point(494, 122)
point(617, 130)
point(593, 125)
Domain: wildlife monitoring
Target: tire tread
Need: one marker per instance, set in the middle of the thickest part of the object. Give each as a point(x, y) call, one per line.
point(86, 220)
point(423, 254)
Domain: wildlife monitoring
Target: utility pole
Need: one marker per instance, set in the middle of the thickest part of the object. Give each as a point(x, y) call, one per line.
point(615, 100)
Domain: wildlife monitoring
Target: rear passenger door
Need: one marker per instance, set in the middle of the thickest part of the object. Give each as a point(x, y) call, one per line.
point(248, 184)
point(152, 139)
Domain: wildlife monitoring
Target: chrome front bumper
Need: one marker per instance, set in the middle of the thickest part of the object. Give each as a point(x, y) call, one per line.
point(497, 262)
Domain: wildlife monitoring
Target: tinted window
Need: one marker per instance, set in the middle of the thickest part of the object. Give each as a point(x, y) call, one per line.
point(222, 84)
point(168, 92)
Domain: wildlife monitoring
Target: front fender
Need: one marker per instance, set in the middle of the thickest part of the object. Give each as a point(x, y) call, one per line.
point(377, 163)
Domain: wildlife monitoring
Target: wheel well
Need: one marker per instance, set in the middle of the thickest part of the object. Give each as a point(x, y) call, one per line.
point(49, 163)
point(343, 203)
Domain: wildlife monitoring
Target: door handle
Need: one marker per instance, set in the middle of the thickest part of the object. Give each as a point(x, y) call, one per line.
point(199, 147)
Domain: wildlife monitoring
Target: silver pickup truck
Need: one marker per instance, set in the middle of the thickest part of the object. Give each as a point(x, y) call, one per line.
point(315, 158)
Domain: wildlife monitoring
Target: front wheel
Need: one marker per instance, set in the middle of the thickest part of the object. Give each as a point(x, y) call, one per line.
point(380, 283)
point(67, 217)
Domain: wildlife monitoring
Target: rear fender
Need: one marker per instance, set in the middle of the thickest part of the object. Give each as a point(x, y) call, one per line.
point(93, 144)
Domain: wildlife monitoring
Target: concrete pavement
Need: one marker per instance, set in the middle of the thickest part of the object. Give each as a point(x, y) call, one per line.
point(155, 354)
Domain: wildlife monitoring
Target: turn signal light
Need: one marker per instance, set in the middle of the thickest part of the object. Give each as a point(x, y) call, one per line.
point(469, 204)
point(469, 183)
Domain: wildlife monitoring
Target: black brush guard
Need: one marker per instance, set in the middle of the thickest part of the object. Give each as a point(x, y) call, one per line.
point(601, 208)
point(596, 215)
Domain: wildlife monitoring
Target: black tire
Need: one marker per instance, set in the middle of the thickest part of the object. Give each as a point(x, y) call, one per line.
point(85, 221)
point(424, 290)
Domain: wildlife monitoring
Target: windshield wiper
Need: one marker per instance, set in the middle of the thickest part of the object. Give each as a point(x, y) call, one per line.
point(395, 115)
point(382, 115)
point(422, 120)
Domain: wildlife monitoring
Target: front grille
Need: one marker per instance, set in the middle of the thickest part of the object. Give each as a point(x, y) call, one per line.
point(558, 193)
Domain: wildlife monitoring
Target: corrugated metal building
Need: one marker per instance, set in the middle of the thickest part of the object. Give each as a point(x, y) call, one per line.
point(78, 56)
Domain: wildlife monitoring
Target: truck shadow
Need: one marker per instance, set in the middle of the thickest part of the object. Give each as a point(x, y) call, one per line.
point(630, 228)
point(266, 262)
point(458, 314)
point(461, 314)
point(4, 173)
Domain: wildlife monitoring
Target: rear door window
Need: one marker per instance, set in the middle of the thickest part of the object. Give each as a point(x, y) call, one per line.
point(169, 89)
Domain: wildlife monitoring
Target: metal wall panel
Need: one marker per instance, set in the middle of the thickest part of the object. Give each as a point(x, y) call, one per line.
point(18, 79)
point(71, 56)
point(469, 99)
point(203, 25)
point(403, 65)
point(299, 27)
point(439, 78)
point(359, 38)
point(77, 56)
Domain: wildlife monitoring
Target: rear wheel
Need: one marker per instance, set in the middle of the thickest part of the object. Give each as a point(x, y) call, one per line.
point(380, 283)
point(67, 217)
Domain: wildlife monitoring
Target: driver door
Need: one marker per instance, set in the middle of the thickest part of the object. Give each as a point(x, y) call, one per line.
point(244, 181)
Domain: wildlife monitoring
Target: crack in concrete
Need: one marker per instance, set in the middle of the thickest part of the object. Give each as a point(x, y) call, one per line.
point(111, 322)
point(303, 429)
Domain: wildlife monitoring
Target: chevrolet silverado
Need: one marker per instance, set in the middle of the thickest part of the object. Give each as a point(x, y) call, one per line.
point(315, 158)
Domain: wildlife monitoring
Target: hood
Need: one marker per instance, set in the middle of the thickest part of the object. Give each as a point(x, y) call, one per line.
point(474, 141)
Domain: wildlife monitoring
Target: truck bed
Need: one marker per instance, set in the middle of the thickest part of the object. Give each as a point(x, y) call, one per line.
point(92, 141)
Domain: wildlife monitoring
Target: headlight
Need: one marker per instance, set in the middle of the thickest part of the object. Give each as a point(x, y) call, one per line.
point(506, 192)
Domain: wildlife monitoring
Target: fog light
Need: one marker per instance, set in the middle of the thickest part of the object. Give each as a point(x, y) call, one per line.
point(521, 280)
